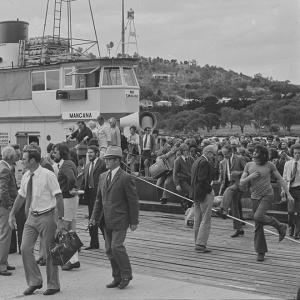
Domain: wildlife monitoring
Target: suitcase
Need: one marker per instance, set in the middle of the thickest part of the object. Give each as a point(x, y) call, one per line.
point(66, 246)
point(158, 169)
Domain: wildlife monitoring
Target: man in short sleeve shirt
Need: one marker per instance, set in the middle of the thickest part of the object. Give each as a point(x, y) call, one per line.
point(41, 193)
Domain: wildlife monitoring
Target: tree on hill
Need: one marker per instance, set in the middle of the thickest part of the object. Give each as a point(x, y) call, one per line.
point(261, 112)
point(210, 121)
point(286, 116)
point(241, 118)
point(210, 104)
point(227, 116)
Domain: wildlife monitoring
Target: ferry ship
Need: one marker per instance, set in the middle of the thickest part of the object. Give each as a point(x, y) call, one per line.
point(45, 89)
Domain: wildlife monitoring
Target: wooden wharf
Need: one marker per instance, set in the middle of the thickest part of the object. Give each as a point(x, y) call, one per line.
point(163, 247)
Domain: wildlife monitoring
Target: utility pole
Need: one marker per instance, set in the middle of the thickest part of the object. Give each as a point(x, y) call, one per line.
point(123, 31)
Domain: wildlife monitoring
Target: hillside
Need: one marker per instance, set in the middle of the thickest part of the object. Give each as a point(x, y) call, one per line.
point(189, 80)
point(220, 97)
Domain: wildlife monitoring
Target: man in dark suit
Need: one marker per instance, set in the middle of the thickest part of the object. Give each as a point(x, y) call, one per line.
point(117, 203)
point(232, 165)
point(8, 193)
point(203, 196)
point(182, 174)
point(90, 182)
point(67, 179)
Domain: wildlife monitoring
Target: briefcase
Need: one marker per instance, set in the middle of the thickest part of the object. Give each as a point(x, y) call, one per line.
point(66, 246)
point(158, 169)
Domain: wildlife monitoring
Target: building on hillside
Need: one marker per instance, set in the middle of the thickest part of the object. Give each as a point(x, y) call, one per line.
point(163, 103)
point(163, 76)
point(183, 101)
point(224, 100)
point(145, 103)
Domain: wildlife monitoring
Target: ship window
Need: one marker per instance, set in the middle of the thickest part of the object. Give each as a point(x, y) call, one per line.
point(68, 79)
point(129, 77)
point(111, 76)
point(38, 81)
point(52, 80)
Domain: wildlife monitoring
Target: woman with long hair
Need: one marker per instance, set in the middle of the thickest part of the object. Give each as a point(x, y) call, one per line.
point(257, 174)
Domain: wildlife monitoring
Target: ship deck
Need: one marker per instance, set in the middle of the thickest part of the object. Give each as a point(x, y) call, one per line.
point(163, 247)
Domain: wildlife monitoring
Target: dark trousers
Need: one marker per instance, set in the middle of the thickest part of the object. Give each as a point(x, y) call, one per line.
point(260, 208)
point(239, 200)
point(116, 253)
point(20, 220)
point(185, 191)
point(294, 212)
point(16, 237)
point(231, 198)
point(90, 195)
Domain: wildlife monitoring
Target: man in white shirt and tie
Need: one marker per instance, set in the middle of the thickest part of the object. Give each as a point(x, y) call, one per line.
point(41, 193)
point(148, 149)
point(291, 175)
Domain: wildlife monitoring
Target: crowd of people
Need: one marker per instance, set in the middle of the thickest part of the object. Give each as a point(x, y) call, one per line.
point(39, 194)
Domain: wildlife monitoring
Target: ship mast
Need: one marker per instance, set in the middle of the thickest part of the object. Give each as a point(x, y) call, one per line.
point(123, 31)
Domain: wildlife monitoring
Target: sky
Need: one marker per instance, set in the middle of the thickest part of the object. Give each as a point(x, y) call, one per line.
point(248, 36)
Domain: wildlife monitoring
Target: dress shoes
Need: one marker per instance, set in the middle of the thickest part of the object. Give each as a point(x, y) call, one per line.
point(10, 268)
point(291, 231)
point(238, 233)
point(69, 266)
point(30, 290)
point(91, 247)
point(282, 232)
point(5, 273)
point(202, 249)
point(221, 212)
point(163, 200)
point(260, 257)
point(41, 261)
point(124, 282)
point(115, 283)
point(49, 292)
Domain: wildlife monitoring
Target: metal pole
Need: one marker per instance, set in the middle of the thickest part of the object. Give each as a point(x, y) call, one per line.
point(44, 29)
point(95, 31)
point(123, 31)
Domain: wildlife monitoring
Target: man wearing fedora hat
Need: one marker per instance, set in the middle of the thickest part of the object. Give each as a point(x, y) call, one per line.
point(117, 203)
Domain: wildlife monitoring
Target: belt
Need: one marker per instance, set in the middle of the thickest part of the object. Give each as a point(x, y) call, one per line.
point(295, 187)
point(40, 213)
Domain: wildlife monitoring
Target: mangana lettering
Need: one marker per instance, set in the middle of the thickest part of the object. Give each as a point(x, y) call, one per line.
point(80, 115)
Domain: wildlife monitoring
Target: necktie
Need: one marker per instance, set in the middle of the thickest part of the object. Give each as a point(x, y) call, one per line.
point(108, 178)
point(91, 177)
point(294, 172)
point(145, 141)
point(28, 195)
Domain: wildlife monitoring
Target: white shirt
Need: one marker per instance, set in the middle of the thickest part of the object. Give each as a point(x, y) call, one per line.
point(296, 182)
point(113, 172)
point(94, 162)
point(103, 135)
point(228, 167)
point(44, 188)
point(56, 167)
point(19, 169)
point(148, 145)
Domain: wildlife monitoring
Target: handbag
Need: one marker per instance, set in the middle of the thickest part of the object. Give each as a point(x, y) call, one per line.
point(67, 244)
point(158, 169)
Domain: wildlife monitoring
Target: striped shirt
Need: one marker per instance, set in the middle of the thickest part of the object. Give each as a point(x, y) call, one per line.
point(260, 186)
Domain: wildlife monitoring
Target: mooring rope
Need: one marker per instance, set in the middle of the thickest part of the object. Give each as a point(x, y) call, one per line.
point(213, 209)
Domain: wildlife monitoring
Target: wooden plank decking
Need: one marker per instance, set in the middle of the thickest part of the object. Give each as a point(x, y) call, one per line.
point(163, 247)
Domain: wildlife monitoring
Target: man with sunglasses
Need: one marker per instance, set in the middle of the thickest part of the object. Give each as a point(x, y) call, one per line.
point(117, 203)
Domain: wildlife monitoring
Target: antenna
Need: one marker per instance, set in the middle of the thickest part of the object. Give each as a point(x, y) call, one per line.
point(55, 47)
point(132, 36)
